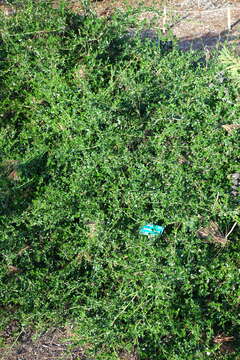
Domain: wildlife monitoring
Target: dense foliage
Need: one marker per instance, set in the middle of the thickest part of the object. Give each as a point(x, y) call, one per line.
point(102, 132)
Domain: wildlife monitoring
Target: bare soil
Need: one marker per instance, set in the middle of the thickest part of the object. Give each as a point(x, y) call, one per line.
point(54, 344)
point(197, 24)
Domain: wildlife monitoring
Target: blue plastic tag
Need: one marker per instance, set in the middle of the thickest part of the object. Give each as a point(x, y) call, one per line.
point(151, 230)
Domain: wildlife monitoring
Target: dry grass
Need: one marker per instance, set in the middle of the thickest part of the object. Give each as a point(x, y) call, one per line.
point(212, 234)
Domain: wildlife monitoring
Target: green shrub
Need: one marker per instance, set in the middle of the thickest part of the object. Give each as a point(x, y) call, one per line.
point(101, 133)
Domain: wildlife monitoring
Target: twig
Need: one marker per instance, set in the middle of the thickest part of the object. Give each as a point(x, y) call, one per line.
point(122, 311)
point(36, 32)
point(233, 227)
point(202, 11)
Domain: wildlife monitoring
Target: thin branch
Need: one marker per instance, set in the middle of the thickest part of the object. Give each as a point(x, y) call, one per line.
point(233, 227)
point(36, 32)
point(123, 310)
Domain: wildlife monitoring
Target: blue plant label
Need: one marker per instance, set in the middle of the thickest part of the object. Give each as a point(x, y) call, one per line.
point(151, 230)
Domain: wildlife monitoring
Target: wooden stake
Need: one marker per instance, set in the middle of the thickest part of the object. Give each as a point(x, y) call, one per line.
point(164, 19)
point(229, 18)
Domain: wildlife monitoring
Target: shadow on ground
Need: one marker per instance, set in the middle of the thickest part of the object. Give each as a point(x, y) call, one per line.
point(209, 41)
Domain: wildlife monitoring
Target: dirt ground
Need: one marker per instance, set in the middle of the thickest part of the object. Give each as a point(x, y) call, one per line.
point(198, 24)
point(54, 344)
point(195, 28)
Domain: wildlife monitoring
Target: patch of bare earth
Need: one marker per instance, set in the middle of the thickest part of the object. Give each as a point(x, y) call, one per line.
point(198, 24)
point(54, 344)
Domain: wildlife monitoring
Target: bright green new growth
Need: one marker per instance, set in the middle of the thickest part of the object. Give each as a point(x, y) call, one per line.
point(102, 133)
point(231, 63)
